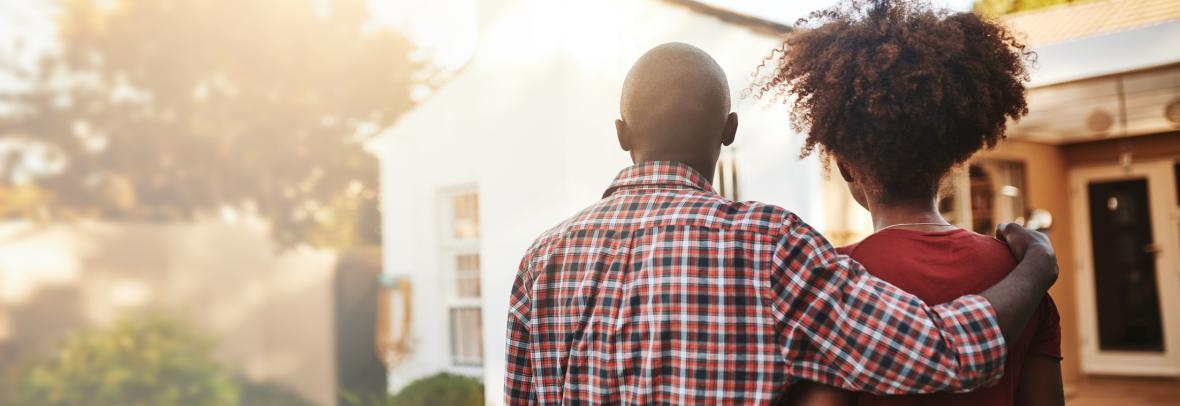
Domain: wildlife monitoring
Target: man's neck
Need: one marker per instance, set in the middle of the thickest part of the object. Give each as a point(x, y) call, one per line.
point(705, 166)
point(911, 212)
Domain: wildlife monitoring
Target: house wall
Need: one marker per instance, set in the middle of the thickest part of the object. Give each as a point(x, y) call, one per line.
point(529, 123)
point(271, 311)
point(1047, 168)
point(410, 215)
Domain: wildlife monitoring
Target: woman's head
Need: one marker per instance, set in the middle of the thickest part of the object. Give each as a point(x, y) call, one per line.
point(898, 93)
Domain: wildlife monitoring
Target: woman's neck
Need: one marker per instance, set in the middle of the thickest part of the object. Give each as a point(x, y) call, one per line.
point(920, 215)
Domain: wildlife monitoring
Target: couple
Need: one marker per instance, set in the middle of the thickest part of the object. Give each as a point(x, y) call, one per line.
point(664, 292)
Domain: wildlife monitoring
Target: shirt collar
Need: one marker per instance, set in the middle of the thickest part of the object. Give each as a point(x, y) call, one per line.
point(659, 174)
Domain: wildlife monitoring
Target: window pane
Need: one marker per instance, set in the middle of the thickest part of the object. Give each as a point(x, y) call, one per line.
point(467, 336)
point(997, 194)
point(465, 216)
point(467, 275)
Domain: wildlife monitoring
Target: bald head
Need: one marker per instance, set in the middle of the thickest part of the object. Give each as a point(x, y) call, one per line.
point(675, 106)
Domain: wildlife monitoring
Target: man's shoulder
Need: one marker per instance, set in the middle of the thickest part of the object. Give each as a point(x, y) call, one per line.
point(713, 211)
point(771, 216)
point(706, 210)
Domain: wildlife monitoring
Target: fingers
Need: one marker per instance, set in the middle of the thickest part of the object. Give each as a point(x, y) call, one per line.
point(1011, 233)
point(1000, 232)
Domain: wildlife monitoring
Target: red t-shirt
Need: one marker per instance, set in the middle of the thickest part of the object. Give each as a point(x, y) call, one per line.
point(939, 267)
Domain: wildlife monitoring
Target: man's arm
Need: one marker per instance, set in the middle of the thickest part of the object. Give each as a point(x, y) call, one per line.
point(518, 373)
point(518, 376)
point(1018, 295)
point(848, 329)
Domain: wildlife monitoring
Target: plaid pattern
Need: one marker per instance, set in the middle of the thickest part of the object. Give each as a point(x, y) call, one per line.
point(666, 293)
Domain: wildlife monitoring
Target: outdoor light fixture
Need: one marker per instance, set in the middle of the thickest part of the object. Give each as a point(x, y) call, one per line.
point(1099, 121)
point(1172, 111)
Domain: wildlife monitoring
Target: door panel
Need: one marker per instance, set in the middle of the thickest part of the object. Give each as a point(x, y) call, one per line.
point(1126, 237)
point(1126, 289)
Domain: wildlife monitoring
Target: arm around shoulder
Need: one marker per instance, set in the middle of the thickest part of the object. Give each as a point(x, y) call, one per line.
point(848, 329)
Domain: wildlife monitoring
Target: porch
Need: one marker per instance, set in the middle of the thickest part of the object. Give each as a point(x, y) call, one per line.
point(1105, 391)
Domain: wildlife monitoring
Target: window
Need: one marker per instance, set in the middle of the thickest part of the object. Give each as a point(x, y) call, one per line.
point(461, 272)
point(725, 178)
point(995, 191)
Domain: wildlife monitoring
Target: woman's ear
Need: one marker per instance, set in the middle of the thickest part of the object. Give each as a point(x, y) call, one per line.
point(844, 172)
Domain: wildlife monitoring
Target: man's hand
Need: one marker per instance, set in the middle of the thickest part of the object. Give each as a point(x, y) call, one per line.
point(1018, 294)
point(1024, 242)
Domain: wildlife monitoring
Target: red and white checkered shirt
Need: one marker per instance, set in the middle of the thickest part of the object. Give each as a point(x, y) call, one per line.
point(664, 292)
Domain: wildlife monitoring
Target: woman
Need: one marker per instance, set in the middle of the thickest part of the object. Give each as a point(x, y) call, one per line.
point(897, 95)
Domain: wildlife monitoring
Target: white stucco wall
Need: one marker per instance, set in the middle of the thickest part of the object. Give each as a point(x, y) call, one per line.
point(530, 124)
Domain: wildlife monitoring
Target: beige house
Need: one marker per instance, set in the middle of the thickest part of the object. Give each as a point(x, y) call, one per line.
point(1099, 152)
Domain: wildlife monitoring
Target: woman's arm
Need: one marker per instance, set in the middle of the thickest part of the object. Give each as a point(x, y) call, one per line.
point(807, 393)
point(1040, 382)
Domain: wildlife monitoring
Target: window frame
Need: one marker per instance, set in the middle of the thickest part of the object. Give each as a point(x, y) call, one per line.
point(450, 249)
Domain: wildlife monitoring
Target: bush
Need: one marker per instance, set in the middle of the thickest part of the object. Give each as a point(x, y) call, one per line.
point(148, 361)
point(144, 361)
point(269, 394)
point(442, 389)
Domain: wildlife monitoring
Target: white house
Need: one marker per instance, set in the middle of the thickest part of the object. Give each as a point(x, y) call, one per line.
point(523, 137)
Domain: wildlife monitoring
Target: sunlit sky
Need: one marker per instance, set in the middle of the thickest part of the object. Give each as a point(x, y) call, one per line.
point(787, 11)
point(442, 28)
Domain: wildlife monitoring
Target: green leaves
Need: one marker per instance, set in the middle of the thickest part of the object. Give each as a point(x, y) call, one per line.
point(440, 389)
point(146, 361)
point(996, 8)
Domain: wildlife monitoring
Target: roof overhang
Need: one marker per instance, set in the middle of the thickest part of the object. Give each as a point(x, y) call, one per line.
point(1107, 54)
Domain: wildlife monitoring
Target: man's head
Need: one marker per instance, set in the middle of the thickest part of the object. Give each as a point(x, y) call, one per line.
point(675, 107)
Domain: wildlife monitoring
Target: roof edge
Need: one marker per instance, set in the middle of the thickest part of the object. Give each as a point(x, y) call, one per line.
point(756, 24)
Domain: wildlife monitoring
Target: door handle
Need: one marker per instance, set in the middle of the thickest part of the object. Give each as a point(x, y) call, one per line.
point(1152, 249)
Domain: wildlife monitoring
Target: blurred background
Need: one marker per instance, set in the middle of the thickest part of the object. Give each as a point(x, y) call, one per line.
point(324, 202)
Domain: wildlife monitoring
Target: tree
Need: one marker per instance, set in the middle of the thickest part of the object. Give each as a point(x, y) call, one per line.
point(170, 110)
point(997, 8)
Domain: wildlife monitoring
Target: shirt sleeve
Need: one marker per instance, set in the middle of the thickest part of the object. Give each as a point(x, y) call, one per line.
point(518, 374)
point(1047, 341)
point(846, 328)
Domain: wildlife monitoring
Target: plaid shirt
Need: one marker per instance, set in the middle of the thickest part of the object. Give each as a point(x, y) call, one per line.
point(664, 292)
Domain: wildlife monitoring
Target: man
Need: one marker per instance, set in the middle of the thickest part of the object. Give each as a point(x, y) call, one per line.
point(664, 292)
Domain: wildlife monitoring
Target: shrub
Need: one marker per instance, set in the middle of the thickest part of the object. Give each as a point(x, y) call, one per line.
point(144, 361)
point(269, 394)
point(441, 389)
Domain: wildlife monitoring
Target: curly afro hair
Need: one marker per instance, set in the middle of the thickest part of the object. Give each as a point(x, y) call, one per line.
point(897, 90)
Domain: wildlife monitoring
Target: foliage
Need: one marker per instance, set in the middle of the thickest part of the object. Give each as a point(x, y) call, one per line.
point(440, 389)
point(996, 8)
point(269, 394)
point(170, 110)
point(148, 361)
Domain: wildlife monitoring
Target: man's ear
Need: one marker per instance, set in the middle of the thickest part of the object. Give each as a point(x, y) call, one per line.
point(730, 130)
point(624, 136)
point(844, 172)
